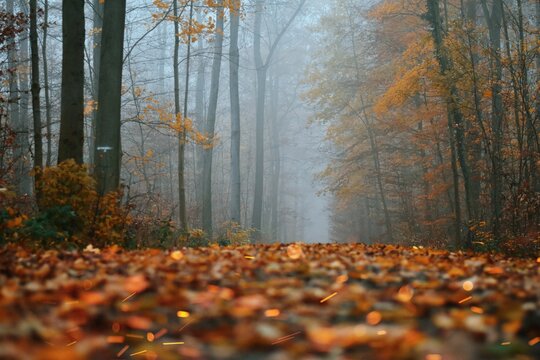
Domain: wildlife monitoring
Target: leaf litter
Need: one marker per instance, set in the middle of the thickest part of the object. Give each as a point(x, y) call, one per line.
point(298, 301)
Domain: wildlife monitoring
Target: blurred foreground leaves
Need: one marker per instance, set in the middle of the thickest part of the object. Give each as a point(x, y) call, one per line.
point(268, 302)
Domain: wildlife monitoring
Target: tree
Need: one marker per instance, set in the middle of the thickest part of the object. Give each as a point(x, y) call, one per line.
point(455, 118)
point(234, 65)
point(47, 89)
point(108, 143)
point(182, 117)
point(261, 66)
point(36, 106)
point(98, 7)
point(72, 103)
point(211, 122)
point(17, 122)
point(494, 22)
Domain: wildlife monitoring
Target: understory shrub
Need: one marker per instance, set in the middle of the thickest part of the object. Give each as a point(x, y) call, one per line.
point(71, 212)
point(232, 233)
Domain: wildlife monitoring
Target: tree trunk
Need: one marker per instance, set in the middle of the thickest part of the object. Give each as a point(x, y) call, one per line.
point(234, 65)
point(378, 173)
point(108, 152)
point(211, 122)
point(23, 129)
point(256, 221)
point(182, 138)
point(533, 145)
point(473, 134)
point(98, 7)
point(276, 159)
point(536, 158)
point(455, 120)
point(262, 69)
point(494, 21)
point(36, 107)
point(72, 104)
point(48, 119)
point(17, 121)
point(200, 122)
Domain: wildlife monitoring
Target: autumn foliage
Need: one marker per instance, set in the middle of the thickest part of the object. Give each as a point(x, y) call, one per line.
point(434, 140)
point(71, 213)
point(297, 301)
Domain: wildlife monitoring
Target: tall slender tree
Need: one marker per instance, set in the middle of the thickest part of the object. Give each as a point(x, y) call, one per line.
point(455, 119)
point(108, 142)
point(23, 127)
point(200, 118)
point(211, 121)
point(72, 103)
point(16, 121)
point(47, 90)
point(36, 106)
point(261, 65)
point(234, 65)
point(182, 116)
point(494, 22)
point(98, 7)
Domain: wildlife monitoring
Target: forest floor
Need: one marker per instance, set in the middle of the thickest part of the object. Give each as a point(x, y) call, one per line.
point(268, 302)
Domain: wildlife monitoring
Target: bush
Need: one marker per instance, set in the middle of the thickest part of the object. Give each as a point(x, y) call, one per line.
point(55, 225)
point(232, 233)
point(195, 238)
point(71, 211)
point(147, 231)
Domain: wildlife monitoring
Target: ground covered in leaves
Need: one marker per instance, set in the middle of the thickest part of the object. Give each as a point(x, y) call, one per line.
point(268, 302)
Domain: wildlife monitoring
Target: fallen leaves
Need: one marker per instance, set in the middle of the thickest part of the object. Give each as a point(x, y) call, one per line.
point(287, 302)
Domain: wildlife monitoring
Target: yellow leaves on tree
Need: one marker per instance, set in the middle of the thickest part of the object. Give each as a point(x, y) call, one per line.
point(178, 124)
point(160, 4)
point(191, 28)
point(415, 70)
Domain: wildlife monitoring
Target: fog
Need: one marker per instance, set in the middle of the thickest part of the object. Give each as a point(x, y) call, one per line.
point(303, 120)
point(149, 162)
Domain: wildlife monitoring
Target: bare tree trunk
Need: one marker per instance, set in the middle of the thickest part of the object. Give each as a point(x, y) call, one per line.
point(163, 54)
point(494, 21)
point(108, 150)
point(182, 138)
point(537, 117)
point(256, 221)
point(176, 60)
point(276, 160)
point(473, 134)
point(48, 119)
point(455, 185)
point(533, 145)
point(211, 122)
point(36, 106)
point(17, 120)
point(234, 65)
point(23, 128)
point(200, 120)
point(72, 105)
point(96, 60)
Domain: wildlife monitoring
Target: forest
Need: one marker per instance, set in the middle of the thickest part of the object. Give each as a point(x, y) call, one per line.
point(269, 179)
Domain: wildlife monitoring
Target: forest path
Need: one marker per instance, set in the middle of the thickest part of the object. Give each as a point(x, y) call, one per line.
point(347, 301)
